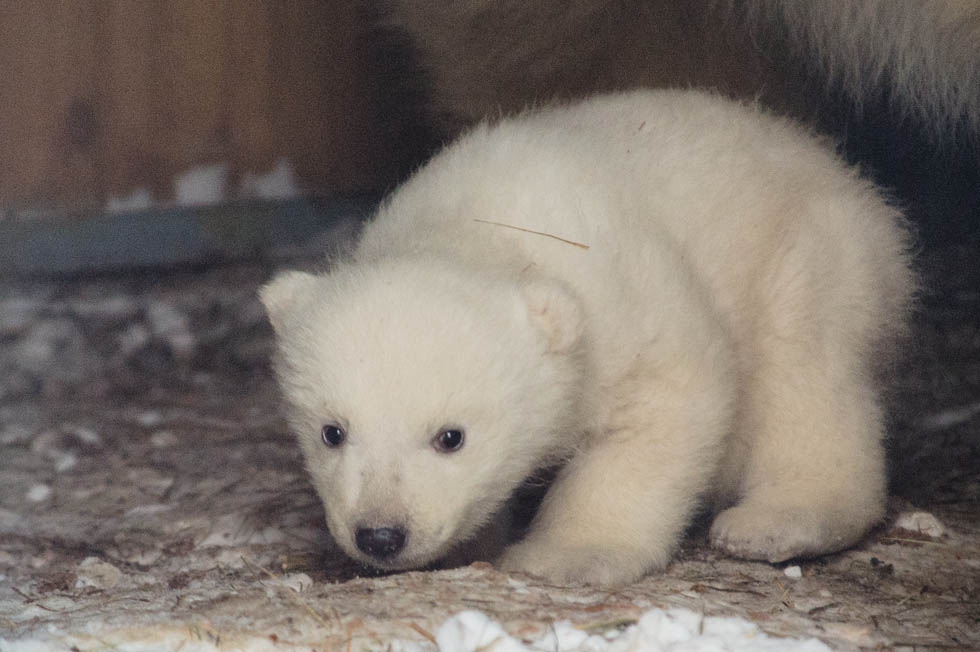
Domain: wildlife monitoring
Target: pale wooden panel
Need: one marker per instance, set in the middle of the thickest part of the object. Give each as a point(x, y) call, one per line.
point(254, 138)
point(104, 96)
point(191, 73)
point(49, 131)
point(132, 98)
point(322, 97)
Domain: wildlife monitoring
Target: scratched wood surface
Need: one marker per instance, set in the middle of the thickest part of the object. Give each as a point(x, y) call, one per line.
point(151, 496)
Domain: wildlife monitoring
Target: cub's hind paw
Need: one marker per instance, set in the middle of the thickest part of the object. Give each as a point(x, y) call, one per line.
point(776, 534)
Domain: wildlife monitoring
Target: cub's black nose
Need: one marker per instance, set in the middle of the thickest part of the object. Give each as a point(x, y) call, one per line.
point(381, 542)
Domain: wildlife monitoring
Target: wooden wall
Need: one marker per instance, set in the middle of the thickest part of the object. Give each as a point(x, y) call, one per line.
point(104, 96)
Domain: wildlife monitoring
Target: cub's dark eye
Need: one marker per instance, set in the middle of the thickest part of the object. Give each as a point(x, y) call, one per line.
point(449, 440)
point(332, 435)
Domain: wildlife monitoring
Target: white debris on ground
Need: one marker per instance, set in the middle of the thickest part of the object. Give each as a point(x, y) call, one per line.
point(151, 499)
point(234, 530)
point(38, 493)
point(298, 582)
point(949, 418)
point(171, 325)
point(95, 573)
point(674, 630)
point(793, 572)
point(921, 523)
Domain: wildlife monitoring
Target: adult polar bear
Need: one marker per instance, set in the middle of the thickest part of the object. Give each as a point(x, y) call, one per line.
point(481, 57)
point(714, 342)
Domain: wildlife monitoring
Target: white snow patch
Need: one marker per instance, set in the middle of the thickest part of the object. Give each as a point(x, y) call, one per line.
point(139, 199)
point(469, 631)
point(134, 338)
point(144, 510)
point(86, 435)
point(278, 183)
point(38, 493)
point(235, 530)
point(144, 557)
point(230, 558)
point(172, 325)
point(204, 184)
point(149, 418)
point(793, 572)
point(921, 522)
point(949, 418)
point(163, 439)
point(674, 630)
point(64, 461)
point(94, 572)
point(298, 582)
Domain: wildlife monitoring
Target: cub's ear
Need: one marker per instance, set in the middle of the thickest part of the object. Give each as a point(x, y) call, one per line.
point(281, 293)
point(556, 312)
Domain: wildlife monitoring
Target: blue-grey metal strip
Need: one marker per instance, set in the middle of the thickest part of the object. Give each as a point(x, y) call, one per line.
point(170, 236)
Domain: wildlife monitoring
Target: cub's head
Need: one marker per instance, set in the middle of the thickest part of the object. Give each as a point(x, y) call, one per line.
point(423, 395)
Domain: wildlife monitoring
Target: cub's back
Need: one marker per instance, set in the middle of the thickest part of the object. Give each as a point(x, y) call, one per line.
point(732, 190)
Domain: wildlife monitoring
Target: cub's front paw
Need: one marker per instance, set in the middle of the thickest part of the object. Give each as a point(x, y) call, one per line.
point(576, 564)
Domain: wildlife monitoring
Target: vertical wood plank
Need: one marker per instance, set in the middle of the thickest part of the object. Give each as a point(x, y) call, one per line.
point(133, 99)
point(321, 98)
point(248, 83)
point(50, 139)
point(196, 130)
point(104, 96)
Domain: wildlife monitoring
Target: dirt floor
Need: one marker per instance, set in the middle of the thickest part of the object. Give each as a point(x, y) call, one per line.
point(151, 498)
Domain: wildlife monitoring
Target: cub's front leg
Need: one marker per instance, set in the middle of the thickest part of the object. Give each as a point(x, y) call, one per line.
point(619, 507)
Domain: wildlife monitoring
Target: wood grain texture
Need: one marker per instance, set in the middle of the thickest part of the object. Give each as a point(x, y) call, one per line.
point(102, 97)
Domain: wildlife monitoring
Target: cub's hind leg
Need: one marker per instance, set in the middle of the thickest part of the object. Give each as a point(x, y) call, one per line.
point(814, 478)
point(808, 454)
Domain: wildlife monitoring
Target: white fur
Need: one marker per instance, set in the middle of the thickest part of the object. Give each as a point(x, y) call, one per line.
point(484, 56)
point(714, 341)
point(925, 53)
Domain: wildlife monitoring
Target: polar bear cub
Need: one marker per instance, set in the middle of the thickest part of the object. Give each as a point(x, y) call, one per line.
point(679, 298)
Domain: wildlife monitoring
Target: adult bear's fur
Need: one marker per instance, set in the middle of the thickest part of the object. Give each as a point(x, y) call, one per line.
point(487, 57)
